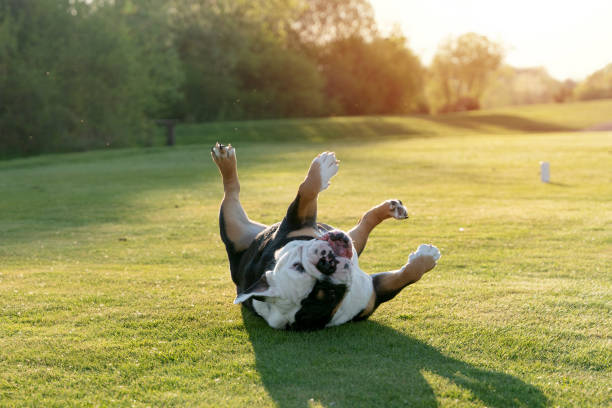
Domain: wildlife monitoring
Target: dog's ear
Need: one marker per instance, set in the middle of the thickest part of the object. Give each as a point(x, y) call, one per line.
point(261, 288)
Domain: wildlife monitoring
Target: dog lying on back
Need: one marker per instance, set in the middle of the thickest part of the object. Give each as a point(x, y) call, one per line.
point(300, 274)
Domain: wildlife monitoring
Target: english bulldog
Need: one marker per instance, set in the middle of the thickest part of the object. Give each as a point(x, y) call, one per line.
point(300, 274)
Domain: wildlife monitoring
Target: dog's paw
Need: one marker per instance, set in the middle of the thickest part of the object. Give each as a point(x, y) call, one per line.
point(220, 151)
point(224, 156)
point(328, 167)
point(425, 250)
point(396, 209)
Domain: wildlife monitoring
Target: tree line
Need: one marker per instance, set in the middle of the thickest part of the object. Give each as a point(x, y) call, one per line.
point(78, 74)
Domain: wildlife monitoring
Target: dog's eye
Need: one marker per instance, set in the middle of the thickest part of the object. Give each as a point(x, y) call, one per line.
point(298, 267)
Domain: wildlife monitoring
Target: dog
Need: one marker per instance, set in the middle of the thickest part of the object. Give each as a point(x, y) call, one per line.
point(300, 274)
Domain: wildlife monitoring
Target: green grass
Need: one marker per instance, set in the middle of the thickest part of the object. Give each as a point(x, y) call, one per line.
point(115, 289)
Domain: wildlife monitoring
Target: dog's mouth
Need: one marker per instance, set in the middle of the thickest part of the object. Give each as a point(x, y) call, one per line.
point(340, 243)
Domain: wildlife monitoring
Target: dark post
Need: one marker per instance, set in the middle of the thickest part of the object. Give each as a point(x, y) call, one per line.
point(169, 124)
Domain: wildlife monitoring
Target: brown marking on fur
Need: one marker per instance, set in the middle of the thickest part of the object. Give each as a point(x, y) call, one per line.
point(409, 274)
point(320, 294)
point(304, 232)
point(308, 192)
point(360, 233)
point(239, 228)
point(333, 313)
point(388, 284)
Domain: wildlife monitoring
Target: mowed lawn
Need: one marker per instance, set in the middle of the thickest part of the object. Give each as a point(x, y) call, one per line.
point(115, 287)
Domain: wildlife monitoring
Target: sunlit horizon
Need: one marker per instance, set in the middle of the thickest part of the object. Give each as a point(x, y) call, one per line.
point(569, 39)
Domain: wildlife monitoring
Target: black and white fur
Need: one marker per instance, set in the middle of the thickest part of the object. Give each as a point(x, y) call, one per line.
point(300, 274)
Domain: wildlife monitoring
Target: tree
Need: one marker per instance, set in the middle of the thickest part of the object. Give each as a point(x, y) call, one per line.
point(238, 63)
point(77, 76)
point(598, 85)
point(521, 86)
point(371, 77)
point(460, 72)
point(566, 91)
point(322, 21)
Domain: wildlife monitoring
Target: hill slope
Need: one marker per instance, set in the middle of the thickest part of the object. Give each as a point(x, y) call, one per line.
point(521, 119)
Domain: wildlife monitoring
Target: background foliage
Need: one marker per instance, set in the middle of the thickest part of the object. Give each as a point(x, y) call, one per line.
point(77, 75)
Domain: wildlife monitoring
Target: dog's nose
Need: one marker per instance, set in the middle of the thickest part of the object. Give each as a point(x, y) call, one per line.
point(327, 264)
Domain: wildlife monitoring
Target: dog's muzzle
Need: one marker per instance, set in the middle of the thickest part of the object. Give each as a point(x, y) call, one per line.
point(327, 264)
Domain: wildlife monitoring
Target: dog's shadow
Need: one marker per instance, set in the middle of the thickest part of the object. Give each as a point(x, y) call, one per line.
point(369, 365)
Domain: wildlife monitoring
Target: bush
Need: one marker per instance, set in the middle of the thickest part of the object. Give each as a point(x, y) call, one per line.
point(464, 103)
point(74, 78)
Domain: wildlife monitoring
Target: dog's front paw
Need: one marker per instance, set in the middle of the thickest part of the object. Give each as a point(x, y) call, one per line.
point(222, 151)
point(397, 209)
point(425, 250)
point(224, 156)
point(328, 167)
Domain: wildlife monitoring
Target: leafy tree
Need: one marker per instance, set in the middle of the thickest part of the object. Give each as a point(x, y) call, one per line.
point(82, 74)
point(323, 21)
point(149, 28)
point(371, 77)
point(238, 64)
point(520, 86)
point(460, 71)
point(77, 76)
point(598, 85)
point(565, 91)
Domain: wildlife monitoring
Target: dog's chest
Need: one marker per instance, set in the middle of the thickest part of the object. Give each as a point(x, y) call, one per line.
point(326, 305)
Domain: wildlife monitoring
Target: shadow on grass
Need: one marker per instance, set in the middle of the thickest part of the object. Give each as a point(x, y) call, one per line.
point(362, 128)
point(65, 191)
point(367, 364)
point(557, 184)
point(509, 122)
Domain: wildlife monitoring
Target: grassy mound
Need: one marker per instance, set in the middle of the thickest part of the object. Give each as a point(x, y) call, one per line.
point(513, 120)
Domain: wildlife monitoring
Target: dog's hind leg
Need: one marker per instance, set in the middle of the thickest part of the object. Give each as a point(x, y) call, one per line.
point(237, 230)
point(387, 209)
point(302, 212)
point(388, 284)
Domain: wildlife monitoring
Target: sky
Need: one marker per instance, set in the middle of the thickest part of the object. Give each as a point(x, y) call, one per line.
point(571, 39)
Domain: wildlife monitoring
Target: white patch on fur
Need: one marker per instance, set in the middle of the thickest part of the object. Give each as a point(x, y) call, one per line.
point(272, 314)
point(328, 166)
point(288, 284)
point(425, 250)
point(357, 297)
point(291, 286)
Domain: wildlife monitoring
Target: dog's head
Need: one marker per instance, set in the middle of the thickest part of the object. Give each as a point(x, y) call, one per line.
point(307, 283)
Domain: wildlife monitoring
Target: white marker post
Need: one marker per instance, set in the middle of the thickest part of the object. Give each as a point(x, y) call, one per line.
point(545, 172)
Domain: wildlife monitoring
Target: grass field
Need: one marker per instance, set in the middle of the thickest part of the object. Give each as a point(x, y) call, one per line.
point(115, 289)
